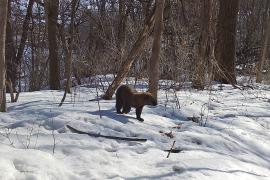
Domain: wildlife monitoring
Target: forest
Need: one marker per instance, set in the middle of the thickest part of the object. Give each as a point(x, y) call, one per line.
point(200, 68)
point(49, 42)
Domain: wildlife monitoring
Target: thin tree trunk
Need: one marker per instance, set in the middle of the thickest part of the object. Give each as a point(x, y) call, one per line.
point(76, 66)
point(225, 46)
point(11, 91)
point(155, 57)
point(122, 27)
point(24, 34)
point(103, 9)
point(69, 50)
point(71, 42)
point(205, 15)
point(3, 22)
point(51, 9)
point(126, 65)
point(146, 7)
point(264, 51)
point(11, 64)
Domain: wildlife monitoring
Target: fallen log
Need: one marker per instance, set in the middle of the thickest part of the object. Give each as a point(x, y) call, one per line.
point(104, 136)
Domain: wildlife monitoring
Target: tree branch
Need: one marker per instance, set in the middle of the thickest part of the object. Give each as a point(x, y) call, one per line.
point(104, 136)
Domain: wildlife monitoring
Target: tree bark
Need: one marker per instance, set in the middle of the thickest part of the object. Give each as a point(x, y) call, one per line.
point(122, 28)
point(146, 7)
point(13, 60)
point(155, 57)
point(3, 22)
point(205, 15)
point(51, 9)
point(10, 54)
point(25, 31)
point(71, 42)
point(126, 65)
point(265, 45)
point(225, 46)
point(68, 50)
point(72, 129)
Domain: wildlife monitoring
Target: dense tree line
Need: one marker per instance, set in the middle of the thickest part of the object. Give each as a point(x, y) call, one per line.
point(44, 42)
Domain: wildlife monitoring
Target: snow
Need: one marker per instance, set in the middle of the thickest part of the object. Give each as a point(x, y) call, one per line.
point(230, 141)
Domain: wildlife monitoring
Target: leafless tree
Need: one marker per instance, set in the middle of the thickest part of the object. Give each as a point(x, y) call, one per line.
point(127, 63)
point(3, 15)
point(226, 42)
point(69, 48)
point(155, 57)
point(203, 46)
point(51, 9)
point(265, 45)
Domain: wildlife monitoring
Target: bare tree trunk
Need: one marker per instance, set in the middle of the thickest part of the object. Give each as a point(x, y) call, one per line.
point(51, 9)
point(10, 54)
point(76, 66)
point(103, 8)
point(146, 7)
point(126, 65)
point(225, 46)
point(122, 27)
point(70, 42)
point(12, 60)
point(205, 15)
point(24, 36)
point(3, 15)
point(68, 50)
point(264, 51)
point(155, 57)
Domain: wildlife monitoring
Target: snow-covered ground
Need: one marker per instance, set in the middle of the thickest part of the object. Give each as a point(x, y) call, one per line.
point(231, 140)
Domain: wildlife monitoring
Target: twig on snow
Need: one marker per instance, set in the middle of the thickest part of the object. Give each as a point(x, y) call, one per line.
point(104, 136)
point(171, 149)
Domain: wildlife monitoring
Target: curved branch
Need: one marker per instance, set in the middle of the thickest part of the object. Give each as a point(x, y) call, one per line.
point(104, 136)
